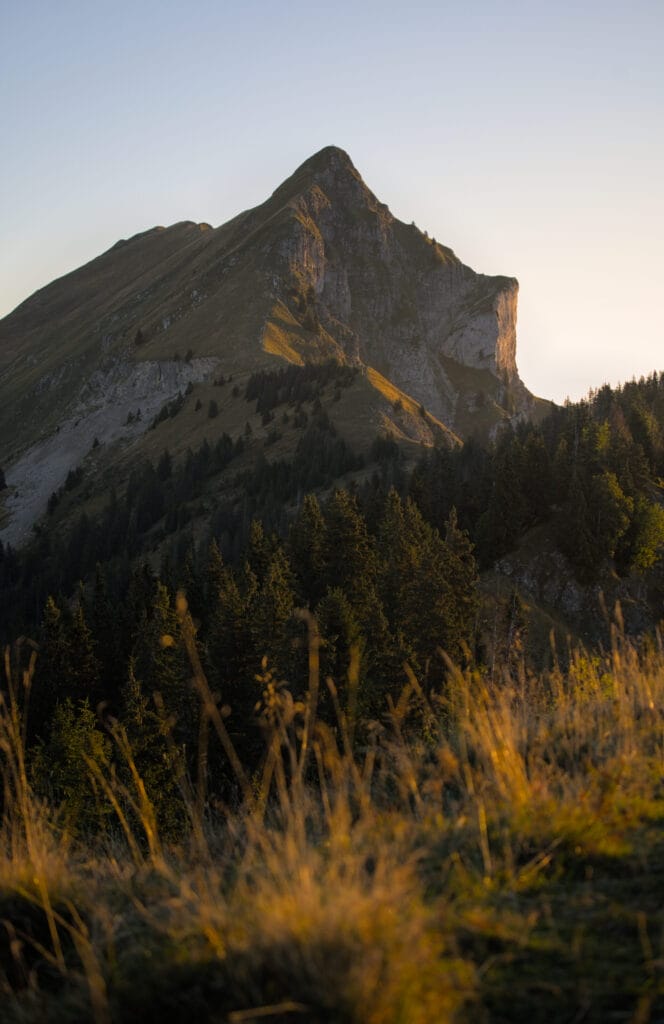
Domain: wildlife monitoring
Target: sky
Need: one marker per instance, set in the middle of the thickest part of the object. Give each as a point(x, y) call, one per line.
point(526, 135)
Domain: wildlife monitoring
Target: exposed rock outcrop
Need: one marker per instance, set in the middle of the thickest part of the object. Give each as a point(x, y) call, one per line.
point(386, 293)
point(116, 405)
point(321, 270)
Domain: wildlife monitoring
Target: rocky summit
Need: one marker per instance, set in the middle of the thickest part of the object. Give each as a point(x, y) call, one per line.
point(320, 271)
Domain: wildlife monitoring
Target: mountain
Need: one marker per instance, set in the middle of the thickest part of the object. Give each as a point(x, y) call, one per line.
point(320, 271)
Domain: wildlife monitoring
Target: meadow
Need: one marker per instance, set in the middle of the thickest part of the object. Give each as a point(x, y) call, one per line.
point(489, 852)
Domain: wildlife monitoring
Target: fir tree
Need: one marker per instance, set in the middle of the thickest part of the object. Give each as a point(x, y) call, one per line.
point(162, 667)
point(462, 578)
point(270, 614)
point(59, 766)
point(341, 641)
point(348, 556)
point(214, 574)
point(84, 669)
point(157, 758)
point(306, 546)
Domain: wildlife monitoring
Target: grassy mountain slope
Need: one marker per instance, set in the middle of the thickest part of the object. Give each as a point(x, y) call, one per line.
point(321, 270)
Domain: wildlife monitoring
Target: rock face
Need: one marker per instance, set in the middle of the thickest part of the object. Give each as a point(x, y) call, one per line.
point(116, 405)
point(387, 294)
point(320, 270)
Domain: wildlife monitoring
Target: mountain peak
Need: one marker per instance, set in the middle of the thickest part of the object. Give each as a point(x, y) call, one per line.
point(321, 270)
point(329, 166)
point(330, 158)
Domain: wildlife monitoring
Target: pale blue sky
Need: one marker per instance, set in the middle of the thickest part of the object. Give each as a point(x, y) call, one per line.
point(528, 136)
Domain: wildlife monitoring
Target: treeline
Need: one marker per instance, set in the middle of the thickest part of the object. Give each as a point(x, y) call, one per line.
point(157, 502)
point(593, 469)
point(400, 592)
point(388, 570)
point(156, 508)
point(592, 472)
point(294, 385)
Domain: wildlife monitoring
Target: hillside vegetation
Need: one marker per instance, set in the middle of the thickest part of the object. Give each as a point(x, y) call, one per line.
point(279, 754)
point(557, 511)
point(491, 851)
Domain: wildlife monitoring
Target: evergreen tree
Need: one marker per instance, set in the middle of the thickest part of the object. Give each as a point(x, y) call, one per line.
point(561, 471)
point(351, 566)
point(52, 672)
point(270, 615)
point(306, 548)
point(341, 639)
point(574, 532)
point(610, 513)
point(84, 669)
point(348, 556)
point(260, 550)
point(462, 579)
point(59, 770)
point(161, 665)
point(503, 522)
point(67, 666)
point(232, 659)
point(105, 626)
point(536, 478)
point(165, 466)
point(193, 584)
point(642, 546)
point(396, 556)
point(159, 762)
point(214, 574)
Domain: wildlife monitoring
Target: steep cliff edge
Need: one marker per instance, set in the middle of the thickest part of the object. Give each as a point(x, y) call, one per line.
point(321, 270)
point(389, 296)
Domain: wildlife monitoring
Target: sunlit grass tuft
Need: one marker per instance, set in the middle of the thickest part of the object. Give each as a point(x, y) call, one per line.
point(463, 854)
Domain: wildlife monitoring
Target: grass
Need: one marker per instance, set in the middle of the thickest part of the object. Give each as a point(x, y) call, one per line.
point(490, 853)
point(360, 413)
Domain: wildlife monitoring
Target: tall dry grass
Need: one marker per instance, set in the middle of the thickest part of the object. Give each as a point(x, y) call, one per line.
point(345, 885)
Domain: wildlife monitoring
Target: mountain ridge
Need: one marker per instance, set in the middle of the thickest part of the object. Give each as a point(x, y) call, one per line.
point(320, 270)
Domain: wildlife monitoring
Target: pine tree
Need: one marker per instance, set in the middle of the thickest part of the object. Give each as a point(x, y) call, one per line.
point(306, 547)
point(105, 627)
point(462, 578)
point(59, 767)
point(610, 512)
point(67, 666)
point(396, 557)
point(348, 556)
point(193, 584)
point(351, 567)
point(506, 516)
point(161, 665)
point(574, 532)
point(84, 669)
point(53, 666)
point(271, 614)
point(536, 478)
point(341, 639)
point(231, 657)
point(642, 546)
point(156, 755)
point(260, 550)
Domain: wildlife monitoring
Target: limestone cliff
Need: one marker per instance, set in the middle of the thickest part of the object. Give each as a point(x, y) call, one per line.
point(389, 296)
point(321, 270)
